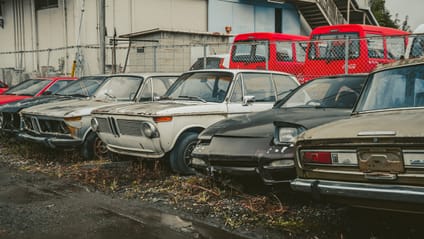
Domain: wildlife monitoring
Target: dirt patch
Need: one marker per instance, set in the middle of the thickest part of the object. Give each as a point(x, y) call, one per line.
point(263, 214)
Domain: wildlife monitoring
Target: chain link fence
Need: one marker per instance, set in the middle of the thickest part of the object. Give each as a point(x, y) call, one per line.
point(324, 57)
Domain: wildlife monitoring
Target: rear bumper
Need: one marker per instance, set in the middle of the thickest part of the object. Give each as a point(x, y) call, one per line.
point(366, 191)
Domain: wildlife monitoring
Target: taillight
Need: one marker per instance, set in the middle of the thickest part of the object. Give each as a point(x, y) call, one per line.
point(316, 157)
point(333, 157)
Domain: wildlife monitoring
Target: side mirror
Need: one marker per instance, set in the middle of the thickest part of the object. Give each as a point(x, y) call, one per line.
point(248, 99)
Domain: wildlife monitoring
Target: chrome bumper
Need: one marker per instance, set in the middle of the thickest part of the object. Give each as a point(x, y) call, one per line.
point(398, 193)
point(51, 142)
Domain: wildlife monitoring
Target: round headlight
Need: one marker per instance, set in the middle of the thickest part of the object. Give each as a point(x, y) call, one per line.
point(94, 124)
point(149, 130)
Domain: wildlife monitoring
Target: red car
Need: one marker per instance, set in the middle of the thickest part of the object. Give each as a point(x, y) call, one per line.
point(34, 87)
point(3, 87)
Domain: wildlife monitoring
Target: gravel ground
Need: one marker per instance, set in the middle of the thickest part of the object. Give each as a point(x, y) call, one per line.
point(262, 213)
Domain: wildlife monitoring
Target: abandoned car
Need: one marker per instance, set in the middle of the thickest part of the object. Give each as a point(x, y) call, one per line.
point(195, 101)
point(247, 145)
point(86, 86)
point(35, 87)
point(375, 158)
point(67, 123)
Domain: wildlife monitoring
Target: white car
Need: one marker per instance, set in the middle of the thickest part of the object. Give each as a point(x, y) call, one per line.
point(196, 100)
point(66, 124)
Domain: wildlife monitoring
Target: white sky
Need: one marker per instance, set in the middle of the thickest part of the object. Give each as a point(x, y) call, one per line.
point(412, 8)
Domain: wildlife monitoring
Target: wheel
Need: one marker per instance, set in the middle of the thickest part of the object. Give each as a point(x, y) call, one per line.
point(181, 154)
point(94, 148)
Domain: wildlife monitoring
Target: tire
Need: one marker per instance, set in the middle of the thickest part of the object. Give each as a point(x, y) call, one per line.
point(94, 148)
point(181, 154)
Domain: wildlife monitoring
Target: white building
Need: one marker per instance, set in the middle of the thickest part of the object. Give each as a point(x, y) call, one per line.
point(44, 35)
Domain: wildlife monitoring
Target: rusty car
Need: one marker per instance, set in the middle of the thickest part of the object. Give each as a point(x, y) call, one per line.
point(375, 158)
point(248, 146)
point(67, 124)
point(170, 126)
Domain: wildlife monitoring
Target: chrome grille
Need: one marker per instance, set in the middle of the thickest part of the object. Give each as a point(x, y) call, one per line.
point(130, 127)
point(32, 123)
point(104, 125)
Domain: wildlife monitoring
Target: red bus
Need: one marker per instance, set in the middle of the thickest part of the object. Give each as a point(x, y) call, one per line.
point(271, 51)
point(352, 48)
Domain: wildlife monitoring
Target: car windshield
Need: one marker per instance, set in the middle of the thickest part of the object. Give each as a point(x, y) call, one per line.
point(119, 88)
point(201, 86)
point(335, 92)
point(332, 46)
point(401, 87)
point(84, 87)
point(29, 87)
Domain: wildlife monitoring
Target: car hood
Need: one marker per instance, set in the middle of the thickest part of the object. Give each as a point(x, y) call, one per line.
point(25, 103)
point(161, 108)
point(261, 124)
point(70, 108)
point(402, 123)
point(5, 99)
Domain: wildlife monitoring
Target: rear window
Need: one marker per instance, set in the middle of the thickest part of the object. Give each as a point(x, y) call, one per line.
point(332, 46)
point(250, 51)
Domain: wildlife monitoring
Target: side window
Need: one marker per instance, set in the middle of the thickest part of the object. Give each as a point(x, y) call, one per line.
point(237, 95)
point(284, 51)
point(284, 85)
point(146, 93)
point(375, 46)
point(58, 85)
point(260, 86)
point(159, 87)
point(301, 51)
point(395, 47)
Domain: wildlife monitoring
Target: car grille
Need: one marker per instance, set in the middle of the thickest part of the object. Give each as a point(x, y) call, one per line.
point(11, 121)
point(228, 161)
point(119, 127)
point(35, 124)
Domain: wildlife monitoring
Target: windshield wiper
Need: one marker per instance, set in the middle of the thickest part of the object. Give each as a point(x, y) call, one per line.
point(192, 98)
point(77, 95)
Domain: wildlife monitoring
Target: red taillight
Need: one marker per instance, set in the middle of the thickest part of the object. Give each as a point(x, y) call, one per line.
point(317, 157)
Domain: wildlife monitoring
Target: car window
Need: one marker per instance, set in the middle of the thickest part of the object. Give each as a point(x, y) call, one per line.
point(237, 95)
point(85, 86)
point(260, 86)
point(58, 85)
point(29, 87)
point(205, 86)
point(284, 85)
point(119, 88)
point(339, 92)
point(394, 88)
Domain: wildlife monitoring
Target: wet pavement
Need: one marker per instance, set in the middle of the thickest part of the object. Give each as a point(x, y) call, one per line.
point(36, 206)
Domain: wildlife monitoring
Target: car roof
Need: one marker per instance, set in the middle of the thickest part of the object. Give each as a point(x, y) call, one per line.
point(235, 71)
point(400, 63)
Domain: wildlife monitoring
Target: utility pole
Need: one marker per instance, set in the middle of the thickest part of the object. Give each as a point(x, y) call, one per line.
point(102, 32)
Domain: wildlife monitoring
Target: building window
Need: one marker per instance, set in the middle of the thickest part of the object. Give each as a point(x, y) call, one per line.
point(44, 4)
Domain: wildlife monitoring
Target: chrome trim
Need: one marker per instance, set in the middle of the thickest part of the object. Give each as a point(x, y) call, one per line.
point(403, 193)
point(377, 133)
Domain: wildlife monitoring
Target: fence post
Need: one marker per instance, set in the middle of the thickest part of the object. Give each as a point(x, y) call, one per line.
point(155, 58)
point(204, 56)
point(266, 55)
point(346, 67)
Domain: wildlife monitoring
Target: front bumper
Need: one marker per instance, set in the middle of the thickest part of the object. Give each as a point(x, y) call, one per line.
point(51, 141)
point(366, 191)
point(272, 173)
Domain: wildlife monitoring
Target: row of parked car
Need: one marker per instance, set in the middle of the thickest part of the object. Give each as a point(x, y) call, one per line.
point(353, 138)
